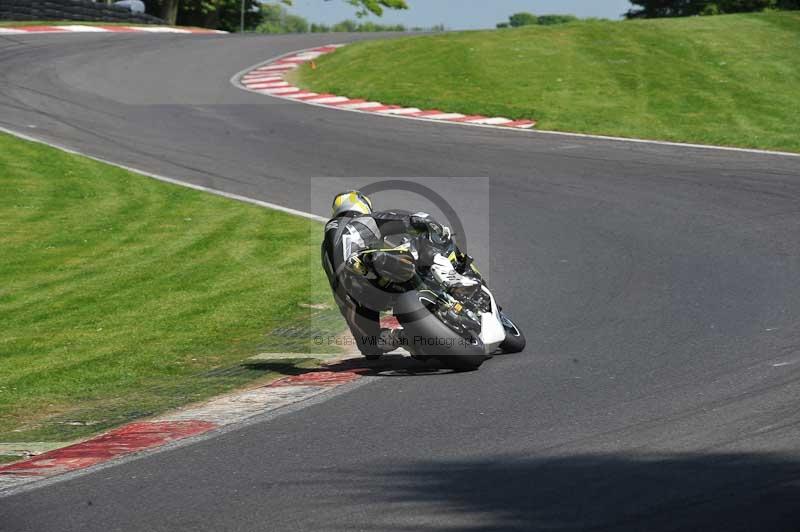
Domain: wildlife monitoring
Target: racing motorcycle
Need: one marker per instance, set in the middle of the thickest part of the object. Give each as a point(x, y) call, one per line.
point(448, 314)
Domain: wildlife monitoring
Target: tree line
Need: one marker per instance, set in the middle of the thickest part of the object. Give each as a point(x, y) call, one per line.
point(518, 20)
point(225, 14)
point(687, 8)
point(276, 19)
point(662, 8)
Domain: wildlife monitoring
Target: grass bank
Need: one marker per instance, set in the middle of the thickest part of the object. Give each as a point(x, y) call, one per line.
point(121, 296)
point(726, 80)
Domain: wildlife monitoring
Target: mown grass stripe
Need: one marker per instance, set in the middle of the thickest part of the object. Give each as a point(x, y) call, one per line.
point(118, 292)
point(730, 80)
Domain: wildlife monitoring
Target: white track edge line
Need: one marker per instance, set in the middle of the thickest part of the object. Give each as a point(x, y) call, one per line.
point(158, 177)
point(236, 77)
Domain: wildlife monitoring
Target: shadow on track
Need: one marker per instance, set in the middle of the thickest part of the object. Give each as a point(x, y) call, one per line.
point(599, 492)
point(387, 366)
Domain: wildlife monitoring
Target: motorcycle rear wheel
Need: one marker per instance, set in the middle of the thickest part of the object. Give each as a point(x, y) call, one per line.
point(427, 336)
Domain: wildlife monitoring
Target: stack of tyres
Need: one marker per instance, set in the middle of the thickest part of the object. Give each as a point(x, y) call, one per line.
point(86, 10)
point(16, 10)
point(50, 10)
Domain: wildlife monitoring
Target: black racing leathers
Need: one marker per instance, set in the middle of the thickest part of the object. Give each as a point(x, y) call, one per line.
point(361, 297)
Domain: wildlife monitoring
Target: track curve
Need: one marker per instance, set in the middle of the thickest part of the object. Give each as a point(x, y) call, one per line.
point(657, 285)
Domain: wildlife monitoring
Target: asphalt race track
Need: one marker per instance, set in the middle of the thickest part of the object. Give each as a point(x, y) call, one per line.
point(658, 287)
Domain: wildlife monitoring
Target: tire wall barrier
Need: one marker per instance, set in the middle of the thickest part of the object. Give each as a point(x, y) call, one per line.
point(85, 10)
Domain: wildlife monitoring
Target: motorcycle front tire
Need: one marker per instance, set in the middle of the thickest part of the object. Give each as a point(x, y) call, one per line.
point(515, 340)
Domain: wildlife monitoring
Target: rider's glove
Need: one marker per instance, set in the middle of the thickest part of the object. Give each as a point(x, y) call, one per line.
point(394, 267)
point(423, 222)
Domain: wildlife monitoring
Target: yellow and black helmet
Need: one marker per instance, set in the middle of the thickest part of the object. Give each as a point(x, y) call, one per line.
point(351, 201)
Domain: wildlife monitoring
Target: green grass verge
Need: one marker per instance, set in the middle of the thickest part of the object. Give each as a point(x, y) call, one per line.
point(726, 80)
point(121, 296)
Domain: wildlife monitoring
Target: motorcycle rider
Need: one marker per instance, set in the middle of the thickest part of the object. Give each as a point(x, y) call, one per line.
point(364, 271)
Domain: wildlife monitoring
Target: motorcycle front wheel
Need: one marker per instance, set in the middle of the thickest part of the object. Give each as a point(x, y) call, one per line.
point(515, 340)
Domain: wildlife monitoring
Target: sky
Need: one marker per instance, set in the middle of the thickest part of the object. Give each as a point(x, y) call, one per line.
point(460, 14)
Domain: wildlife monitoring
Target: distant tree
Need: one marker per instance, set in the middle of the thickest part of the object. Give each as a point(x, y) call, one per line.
point(550, 20)
point(275, 19)
point(222, 14)
point(710, 9)
point(370, 26)
point(345, 26)
point(296, 24)
point(171, 10)
point(365, 7)
point(529, 19)
point(351, 26)
point(522, 19)
point(686, 8)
